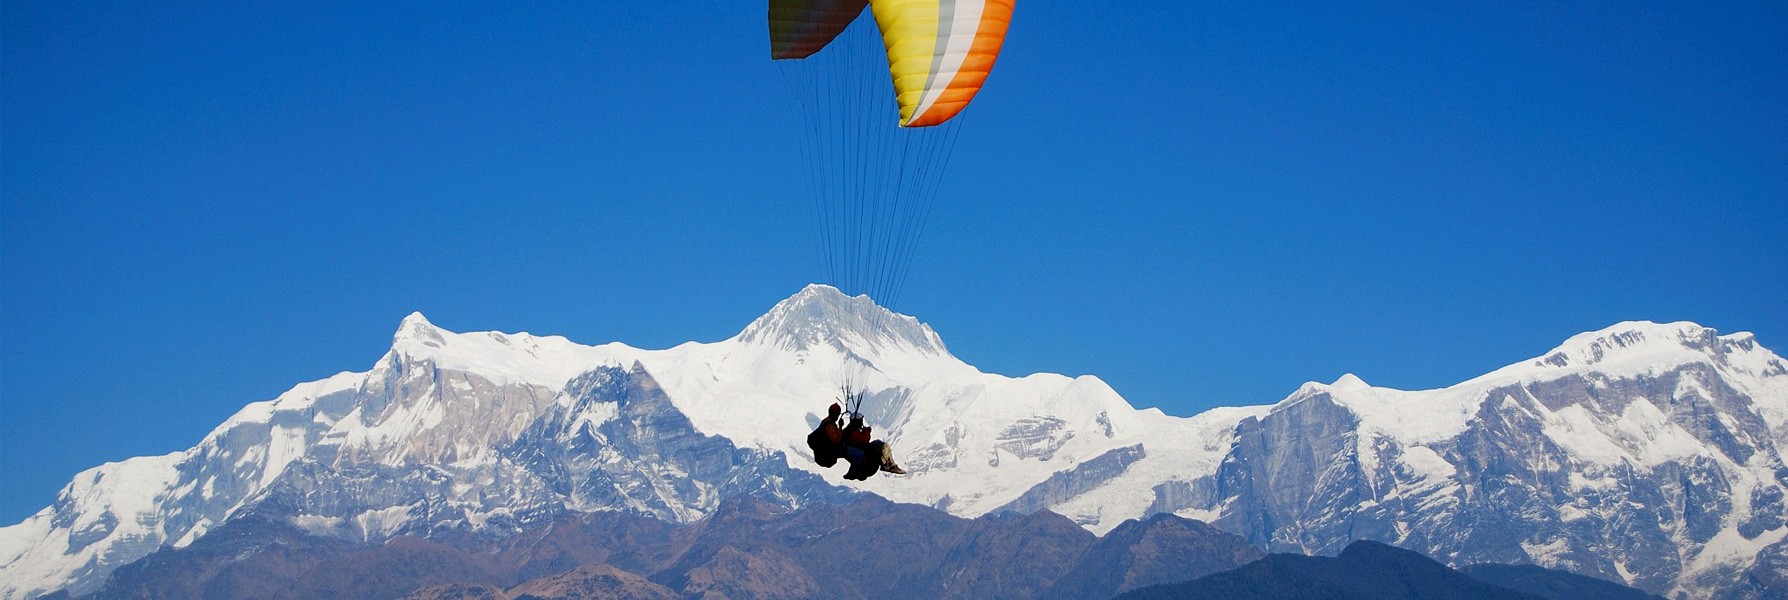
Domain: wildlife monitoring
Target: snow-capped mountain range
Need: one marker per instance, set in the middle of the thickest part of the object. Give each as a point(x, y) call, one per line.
point(1644, 453)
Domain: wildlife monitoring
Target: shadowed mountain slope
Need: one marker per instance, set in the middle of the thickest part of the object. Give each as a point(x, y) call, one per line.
point(746, 548)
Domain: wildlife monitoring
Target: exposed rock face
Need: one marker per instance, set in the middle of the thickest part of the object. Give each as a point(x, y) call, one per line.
point(1768, 578)
point(615, 441)
point(1033, 437)
point(610, 441)
point(1295, 466)
point(1074, 482)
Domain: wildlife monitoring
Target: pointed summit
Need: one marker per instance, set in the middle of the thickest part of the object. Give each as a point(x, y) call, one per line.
point(821, 316)
point(1349, 382)
point(415, 328)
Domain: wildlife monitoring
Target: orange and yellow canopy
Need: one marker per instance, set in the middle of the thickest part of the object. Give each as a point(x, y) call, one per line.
point(939, 51)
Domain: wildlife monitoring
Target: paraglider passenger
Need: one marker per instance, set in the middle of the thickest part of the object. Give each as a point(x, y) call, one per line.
point(866, 454)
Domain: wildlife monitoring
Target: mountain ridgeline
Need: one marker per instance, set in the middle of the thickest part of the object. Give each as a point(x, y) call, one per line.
point(748, 548)
point(745, 548)
point(1644, 453)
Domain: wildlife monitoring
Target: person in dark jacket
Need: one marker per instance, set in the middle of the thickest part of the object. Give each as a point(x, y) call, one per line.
point(827, 440)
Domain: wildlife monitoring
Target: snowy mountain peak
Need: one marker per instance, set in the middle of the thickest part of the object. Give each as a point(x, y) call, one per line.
point(1346, 384)
point(1349, 382)
point(499, 357)
point(821, 316)
point(1645, 344)
point(415, 328)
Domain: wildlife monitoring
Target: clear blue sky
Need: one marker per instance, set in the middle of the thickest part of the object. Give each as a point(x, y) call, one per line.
point(1204, 204)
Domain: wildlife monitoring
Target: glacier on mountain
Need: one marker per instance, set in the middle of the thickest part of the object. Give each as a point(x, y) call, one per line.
point(1644, 453)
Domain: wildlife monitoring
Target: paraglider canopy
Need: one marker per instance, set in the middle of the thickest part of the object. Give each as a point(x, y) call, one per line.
point(939, 51)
